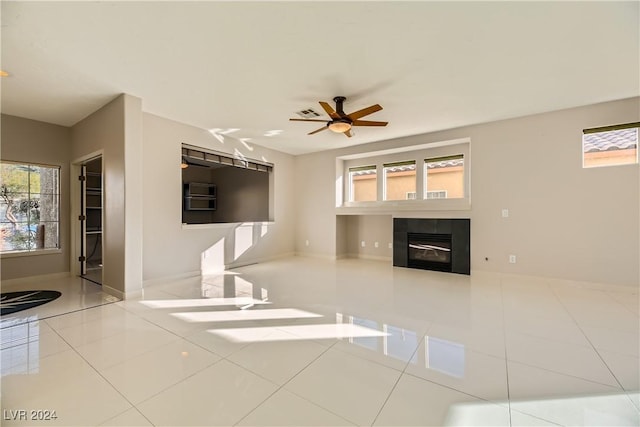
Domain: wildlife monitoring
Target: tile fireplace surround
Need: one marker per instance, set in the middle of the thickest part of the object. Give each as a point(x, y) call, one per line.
point(459, 229)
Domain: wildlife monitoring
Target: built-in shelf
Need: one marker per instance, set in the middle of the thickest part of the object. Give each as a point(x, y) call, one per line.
point(199, 196)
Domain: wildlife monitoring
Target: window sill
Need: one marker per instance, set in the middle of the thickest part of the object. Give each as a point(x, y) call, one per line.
point(390, 207)
point(224, 225)
point(18, 254)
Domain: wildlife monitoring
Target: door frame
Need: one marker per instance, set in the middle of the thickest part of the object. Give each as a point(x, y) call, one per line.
point(76, 211)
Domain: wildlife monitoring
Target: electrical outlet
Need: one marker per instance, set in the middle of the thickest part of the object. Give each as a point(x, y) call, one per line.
point(512, 259)
point(376, 244)
point(362, 244)
point(505, 213)
point(306, 243)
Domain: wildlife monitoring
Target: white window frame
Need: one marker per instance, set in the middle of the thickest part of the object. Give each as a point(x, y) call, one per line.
point(426, 181)
point(385, 168)
point(418, 152)
point(612, 146)
point(350, 174)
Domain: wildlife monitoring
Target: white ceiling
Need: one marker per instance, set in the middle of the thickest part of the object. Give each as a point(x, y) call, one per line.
point(252, 65)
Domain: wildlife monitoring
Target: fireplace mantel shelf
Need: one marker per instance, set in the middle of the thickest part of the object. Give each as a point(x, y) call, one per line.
point(390, 207)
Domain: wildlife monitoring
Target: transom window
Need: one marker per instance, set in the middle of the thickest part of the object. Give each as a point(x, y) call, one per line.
point(400, 180)
point(363, 184)
point(444, 177)
point(610, 145)
point(29, 207)
point(430, 176)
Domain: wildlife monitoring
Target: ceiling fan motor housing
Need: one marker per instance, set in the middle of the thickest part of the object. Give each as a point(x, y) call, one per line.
point(339, 100)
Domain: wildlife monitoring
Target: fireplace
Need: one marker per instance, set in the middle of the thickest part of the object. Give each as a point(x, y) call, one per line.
point(432, 244)
point(429, 251)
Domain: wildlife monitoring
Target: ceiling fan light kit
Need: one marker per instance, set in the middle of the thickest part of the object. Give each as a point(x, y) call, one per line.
point(340, 121)
point(339, 127)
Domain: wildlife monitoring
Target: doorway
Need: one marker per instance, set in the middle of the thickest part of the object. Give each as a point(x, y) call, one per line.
point(91, 220)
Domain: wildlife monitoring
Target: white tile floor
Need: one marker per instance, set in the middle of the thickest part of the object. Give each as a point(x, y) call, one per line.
point(311, 342)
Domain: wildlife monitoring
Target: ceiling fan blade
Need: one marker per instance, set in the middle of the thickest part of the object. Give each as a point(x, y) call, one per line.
point(364, 112)
point(318, 130)
point(309, 120)
point(368, 123)
point(330, 111)
point(348, 133)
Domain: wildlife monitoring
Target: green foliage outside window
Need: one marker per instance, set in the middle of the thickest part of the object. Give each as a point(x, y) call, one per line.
point(29, 207)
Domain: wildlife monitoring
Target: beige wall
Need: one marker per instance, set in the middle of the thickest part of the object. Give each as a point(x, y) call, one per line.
point(563, 219)
point(315, 220)
point(171, 250)
point(370, 229)
point(115, 129)
point(31, 141)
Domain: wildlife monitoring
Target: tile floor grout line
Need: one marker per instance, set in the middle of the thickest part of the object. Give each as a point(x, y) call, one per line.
point(624, 305)
point(399, 377)
point(60, 314)
point(507, 361)
point(105, 379)
point(593, 347)
point(126, 410)
point(282, 387)
point(155, 394)
point(626, 392)
point(506, 356)
point(179, 381)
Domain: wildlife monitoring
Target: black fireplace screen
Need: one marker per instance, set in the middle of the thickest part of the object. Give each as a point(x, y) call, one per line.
point(432, 251)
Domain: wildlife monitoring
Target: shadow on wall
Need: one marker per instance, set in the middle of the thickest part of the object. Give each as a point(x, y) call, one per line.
point(229, 249)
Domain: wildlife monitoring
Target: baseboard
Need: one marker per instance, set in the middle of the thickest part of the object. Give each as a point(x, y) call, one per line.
point(165, 279)
point(556, 282)
point(113, 291)
point(371, 257)
point(258, 260)
point(319, 256)
point(31, 279)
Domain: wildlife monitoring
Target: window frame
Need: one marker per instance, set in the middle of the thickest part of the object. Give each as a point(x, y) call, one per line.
point(426, 176)
point(418, 152)
point(386, 166)
point(33, 250)
point(609, 129)
point(350, 175)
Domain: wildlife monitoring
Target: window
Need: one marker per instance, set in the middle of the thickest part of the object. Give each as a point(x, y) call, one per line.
point(399, 180)
point(440, 194)
point(444, 177)
point(29, 207)
point(363, 184)
point(610, 145)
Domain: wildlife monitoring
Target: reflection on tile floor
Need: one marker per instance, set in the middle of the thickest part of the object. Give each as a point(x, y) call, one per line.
point(312, 342)
point(77, 294)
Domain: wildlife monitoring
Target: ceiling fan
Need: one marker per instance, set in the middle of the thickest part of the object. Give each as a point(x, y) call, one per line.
point(340, 121)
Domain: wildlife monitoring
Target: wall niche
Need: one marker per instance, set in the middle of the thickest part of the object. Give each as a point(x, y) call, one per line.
point(219, 188)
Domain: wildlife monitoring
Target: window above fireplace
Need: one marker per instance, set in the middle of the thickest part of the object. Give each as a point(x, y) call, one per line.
point(413, 178)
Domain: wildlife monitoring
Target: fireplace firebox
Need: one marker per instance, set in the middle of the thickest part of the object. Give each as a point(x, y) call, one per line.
point(429, 251)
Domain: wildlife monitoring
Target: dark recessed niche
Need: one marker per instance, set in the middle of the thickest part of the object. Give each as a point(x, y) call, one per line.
point(217, 188)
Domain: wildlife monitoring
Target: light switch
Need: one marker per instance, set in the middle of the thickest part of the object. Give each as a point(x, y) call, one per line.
point(505, 213)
